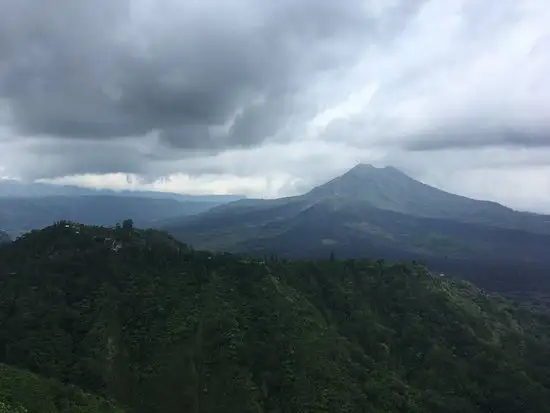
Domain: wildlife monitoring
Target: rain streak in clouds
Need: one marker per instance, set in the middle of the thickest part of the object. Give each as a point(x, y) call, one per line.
point(269, 98)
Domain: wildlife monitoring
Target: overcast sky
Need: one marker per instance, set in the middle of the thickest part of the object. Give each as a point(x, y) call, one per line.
point(268, 98)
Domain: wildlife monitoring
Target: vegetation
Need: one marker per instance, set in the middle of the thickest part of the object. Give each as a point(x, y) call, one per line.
point(24, 392)
point(135, 317)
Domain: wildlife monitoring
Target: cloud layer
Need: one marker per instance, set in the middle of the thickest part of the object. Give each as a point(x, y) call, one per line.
point(282, 94)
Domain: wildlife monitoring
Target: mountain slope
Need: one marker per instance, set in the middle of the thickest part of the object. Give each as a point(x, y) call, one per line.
point(24, 392)
point(371, 207)
point(300, 228)
point(137, 317)
point(390, 189)
point(381, 212)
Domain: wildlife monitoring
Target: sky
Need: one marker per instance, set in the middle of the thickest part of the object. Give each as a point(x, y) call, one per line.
point(269, 98)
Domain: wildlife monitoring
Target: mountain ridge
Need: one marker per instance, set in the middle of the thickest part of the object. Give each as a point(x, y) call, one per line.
point(19, 189)
point(389, 188)
point(21, 214)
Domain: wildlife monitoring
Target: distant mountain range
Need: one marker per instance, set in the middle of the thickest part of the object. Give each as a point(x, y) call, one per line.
point(18, 189)
point(26, 206)
point(382, 213)
point(18, 215)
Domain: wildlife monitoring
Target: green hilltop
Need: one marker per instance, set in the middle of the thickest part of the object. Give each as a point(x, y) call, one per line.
point(148, 323)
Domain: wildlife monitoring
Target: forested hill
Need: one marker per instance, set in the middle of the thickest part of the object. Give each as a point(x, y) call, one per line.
point(24, 392)
point(139, 319)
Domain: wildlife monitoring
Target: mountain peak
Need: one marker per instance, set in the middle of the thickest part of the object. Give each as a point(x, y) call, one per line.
point(362, 165)
point(365, 168)
point(360, 168)
point(391, 189)
point(364, 181)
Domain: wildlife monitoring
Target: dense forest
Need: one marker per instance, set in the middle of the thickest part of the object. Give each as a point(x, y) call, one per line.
point(24, 392)
point(92, 318)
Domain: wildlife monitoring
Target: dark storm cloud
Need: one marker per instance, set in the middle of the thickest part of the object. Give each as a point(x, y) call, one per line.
point(105, 69)
point(251, 95)
point(466, 136)
point(52, 158)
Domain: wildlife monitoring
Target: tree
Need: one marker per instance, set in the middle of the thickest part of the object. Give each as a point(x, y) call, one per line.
point(128, 224)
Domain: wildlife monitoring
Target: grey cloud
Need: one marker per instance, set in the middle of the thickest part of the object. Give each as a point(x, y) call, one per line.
point(50, 158)
point(289, 92)
point(476, 136)
point(102, 70)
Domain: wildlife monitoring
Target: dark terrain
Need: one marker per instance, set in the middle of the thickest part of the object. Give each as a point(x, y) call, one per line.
point(383, 213)
point(94, 318)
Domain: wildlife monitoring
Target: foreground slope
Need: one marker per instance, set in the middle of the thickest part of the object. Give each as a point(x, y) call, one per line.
point(137, 317)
